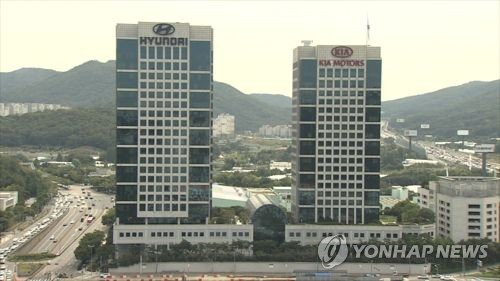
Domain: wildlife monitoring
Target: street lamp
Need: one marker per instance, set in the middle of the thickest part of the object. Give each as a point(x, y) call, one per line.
point(91, 247)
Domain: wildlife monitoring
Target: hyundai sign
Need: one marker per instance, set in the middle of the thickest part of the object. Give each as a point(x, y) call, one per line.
point(425, 126)
point(462, 132)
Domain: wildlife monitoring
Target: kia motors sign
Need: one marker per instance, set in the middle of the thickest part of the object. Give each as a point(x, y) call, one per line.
point(410, 133)
point(425, 126)
point(462, 132)
point(342, 52)
point(484, 148)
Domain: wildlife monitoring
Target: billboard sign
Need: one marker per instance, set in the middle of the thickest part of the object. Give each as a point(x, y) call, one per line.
point(462, 132)
point(425, 126)
point(400, 120)
point(410, 133)
point(484, 148)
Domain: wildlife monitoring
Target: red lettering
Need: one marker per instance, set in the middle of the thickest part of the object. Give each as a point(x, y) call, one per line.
point(341, 63)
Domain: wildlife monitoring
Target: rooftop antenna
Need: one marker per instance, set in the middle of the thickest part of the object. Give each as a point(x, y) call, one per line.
point(307, 42)
point(367, 31)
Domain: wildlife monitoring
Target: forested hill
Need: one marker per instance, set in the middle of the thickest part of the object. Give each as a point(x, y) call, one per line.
point(92, 84)
point(474, 106)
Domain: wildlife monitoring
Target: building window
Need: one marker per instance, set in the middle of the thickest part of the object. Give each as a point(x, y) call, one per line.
point(200, 81)
point(198, 174)
point(199, 156)
point(199, 100)
point(307, 97)
point(307, 114)
point(126, 54)
point(126, 117)
point(200, 56)
point(126, 80)
point(199, 119)
point(307, 73)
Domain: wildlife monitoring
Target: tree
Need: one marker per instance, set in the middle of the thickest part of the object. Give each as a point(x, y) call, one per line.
point(426, 215)
point(110, 217)
point(90, 240)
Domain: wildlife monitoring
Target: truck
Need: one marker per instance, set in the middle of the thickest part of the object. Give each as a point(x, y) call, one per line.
point(90, 219)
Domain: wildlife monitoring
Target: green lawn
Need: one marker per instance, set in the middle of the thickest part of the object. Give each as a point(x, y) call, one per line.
point(27, 269)
point(491, 273)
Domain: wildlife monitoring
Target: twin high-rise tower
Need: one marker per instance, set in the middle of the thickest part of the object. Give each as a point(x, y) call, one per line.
point(164, 129)
point(336, 134)
point(164, 115)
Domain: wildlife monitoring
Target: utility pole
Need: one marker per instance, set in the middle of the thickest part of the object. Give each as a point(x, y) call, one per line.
point(91, 247)
point(463, 266)
point(140, 264)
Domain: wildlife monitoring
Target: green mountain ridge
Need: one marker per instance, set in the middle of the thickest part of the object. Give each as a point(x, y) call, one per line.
point(473, 106)
point(92, 84)
point(23, 77)
point(277, 100)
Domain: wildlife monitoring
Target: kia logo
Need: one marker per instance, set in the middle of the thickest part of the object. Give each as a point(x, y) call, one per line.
point(163, 29)
point(342, 52)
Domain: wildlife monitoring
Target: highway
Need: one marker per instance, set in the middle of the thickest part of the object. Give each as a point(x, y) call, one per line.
point(72, 206)
point(447, 156)
point(68, 236)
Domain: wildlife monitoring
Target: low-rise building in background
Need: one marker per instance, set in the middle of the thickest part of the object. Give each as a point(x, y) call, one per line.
point(223, 125)
point(8, 199)
point(11, 108)
point(279, 131)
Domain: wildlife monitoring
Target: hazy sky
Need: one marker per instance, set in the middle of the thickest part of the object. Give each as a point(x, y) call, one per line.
point(426, 45)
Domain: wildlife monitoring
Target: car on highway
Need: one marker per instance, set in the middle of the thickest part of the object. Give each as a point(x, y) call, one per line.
point(80, 228)
point(104, 275)
point(72, 222)
point(64, 224)
point(52, 237)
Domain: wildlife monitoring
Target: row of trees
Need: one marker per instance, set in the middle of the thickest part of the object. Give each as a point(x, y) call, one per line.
point(230, 215)
point(250, 179)
point(408, 212)
point(270, 250)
